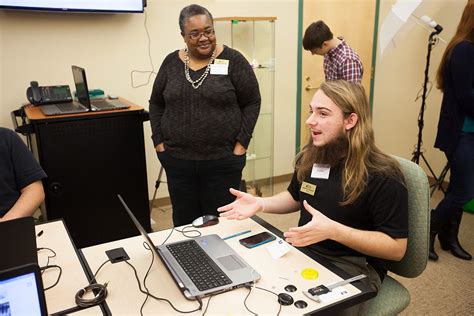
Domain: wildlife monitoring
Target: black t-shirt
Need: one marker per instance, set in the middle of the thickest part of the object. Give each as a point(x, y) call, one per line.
point(383, 206)
point(18, 169)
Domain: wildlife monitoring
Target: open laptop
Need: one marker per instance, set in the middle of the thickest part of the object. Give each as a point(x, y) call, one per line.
point(82, 92)
point(18, 246)
point(21, 291)
point(67, 106)
point(85, 104)
point(228, 269)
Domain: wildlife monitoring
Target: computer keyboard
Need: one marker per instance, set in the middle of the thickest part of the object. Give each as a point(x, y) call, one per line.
point(65, 106)
point(103, 105)
point(200, 268)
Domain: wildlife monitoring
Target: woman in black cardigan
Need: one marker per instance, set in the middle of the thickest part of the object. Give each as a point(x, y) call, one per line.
point(455, 135)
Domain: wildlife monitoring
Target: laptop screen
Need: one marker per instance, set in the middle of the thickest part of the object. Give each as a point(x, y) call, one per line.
point(82, 90)
point(19, 243)
point(21, 292)
point(138, 226)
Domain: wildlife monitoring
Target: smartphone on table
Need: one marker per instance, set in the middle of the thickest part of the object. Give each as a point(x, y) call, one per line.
point(257, 239)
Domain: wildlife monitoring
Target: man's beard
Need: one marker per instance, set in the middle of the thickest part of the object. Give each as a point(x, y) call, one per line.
point(332, 153)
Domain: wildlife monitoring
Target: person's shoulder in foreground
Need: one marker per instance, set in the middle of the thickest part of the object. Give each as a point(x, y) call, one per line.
point(21, 189)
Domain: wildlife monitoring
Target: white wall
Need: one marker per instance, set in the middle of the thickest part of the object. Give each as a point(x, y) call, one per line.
point(399, 75)
point(43, 46)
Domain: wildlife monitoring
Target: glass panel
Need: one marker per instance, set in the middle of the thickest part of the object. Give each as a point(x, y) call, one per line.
point(255, 40)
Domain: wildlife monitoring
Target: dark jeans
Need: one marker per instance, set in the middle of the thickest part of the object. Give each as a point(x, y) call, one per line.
point(199, 187)
point(461, 183)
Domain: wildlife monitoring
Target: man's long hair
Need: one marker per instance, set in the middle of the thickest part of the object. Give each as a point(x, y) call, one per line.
point(464, 32)
point(362, 157)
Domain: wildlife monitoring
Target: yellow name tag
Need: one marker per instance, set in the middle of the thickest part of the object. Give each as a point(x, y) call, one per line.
point(308, 188)
point(218, 61)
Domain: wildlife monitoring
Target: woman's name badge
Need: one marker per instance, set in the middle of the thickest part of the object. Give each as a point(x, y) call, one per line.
point(220, 67)
point(320, 171)
point(221, 61)
point(308, 188)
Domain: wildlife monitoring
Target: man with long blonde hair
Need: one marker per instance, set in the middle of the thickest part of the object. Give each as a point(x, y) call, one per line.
point(352, 197)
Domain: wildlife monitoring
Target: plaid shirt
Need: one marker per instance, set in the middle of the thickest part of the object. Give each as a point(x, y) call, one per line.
point(342, 62)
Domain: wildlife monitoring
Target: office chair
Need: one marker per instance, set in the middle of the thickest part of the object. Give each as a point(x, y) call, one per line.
point(393, 297)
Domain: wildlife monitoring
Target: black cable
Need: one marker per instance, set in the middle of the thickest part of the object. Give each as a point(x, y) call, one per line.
point(59, 276)
point(260, 288)
point(147, 292)
point(185, 232)
point(245, 301)
point(100, 267)
point(49, 257)
point(93, 286)
point(169, 235)
point(147, 247)
point(207, 305)
point(98, 298)
point(150, 73)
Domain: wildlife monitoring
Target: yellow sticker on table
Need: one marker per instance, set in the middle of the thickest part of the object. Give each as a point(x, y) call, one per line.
point(309, 274)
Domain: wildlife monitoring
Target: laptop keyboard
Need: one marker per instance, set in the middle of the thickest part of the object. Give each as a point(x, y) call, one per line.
point(66, 106)
point(200, 268)
point(103, 105)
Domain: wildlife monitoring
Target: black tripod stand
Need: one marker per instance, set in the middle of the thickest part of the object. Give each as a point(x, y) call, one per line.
point(417, 153)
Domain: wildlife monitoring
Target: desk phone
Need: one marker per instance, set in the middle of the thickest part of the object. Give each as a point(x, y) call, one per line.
point(48, 94)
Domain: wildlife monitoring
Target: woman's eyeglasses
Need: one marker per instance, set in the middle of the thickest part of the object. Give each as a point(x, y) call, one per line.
point(197, 35)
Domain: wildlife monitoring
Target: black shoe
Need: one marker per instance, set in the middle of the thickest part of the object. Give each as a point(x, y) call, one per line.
point(452, 242)
point(458, 251)
point(433, 231)
point(432, 254)
point(444, 237)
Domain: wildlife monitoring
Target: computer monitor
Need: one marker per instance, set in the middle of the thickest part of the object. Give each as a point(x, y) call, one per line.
point(21, 291)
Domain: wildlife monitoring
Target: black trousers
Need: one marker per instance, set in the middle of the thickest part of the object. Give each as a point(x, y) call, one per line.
point(199, 187)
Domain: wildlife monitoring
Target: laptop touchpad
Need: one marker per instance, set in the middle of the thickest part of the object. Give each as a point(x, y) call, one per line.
point(230, 262)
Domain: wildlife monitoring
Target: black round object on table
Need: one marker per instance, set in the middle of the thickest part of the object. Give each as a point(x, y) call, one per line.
point(285, 299)
point(301, 304)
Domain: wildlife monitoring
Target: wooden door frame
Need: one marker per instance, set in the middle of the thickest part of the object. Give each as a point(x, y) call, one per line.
point(299, 67)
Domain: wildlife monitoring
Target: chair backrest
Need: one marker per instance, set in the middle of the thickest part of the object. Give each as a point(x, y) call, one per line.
point(416, 256)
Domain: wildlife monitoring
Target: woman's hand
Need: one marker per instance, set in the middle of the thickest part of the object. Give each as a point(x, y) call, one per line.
point(244, 206)
point(160, 147)
point(319, 228)
point(239, 150)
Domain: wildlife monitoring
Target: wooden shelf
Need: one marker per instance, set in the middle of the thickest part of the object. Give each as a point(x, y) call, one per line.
point(34, 112)
point(246, 18)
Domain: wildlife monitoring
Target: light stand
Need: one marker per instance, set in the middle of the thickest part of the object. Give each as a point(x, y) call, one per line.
point(157, 185)
point(417, 153)
point(438, 184)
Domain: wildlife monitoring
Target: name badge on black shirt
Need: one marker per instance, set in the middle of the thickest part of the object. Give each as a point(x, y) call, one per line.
point(320, 171)
point(308, 188)
point(220, 67)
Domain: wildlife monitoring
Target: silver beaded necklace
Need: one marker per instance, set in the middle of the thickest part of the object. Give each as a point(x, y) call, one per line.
point(198, 82)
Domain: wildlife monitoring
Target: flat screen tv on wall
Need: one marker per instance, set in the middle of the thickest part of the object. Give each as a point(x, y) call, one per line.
point(112, 6)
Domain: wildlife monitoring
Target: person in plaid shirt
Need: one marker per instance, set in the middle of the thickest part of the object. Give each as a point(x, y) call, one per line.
point(340, 61)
